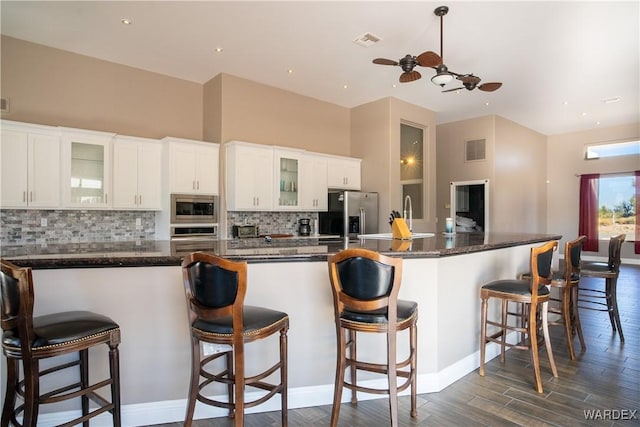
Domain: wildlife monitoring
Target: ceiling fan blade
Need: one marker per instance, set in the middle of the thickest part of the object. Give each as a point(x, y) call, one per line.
point(490, 87)
point(453, 90)
point(429, 59)
point(409, 76)
point(383, 61)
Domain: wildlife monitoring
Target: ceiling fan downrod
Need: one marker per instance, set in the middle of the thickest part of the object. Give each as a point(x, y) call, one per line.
point(441, 11)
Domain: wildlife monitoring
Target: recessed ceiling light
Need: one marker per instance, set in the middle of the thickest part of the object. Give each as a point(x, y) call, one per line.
point(126, 21)
point(597, 123)
point(290, 71)
point(584, 114)
point(565, 103)
point(394, 85)
point(486, 103)
point(219, 49)
point(345, 86)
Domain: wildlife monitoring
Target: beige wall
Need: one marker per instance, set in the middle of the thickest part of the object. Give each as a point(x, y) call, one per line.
point(515, 166)
point(262, 114)
point(520, 195)
point(565, 159)
point(55, 87)
point(212, 110)
point(451, 165)
point(375, 138)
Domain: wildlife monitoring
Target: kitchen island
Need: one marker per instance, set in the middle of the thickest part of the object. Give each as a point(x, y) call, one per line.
point(139, 285)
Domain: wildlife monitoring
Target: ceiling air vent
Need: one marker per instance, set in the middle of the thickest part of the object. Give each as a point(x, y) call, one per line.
point(475, 150)
point(367, 40)
point(4, 105)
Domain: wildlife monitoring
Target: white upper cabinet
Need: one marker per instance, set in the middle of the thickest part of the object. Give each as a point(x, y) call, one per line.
point(313, 186)
point(30, 162)
point(288, 169)
point(343, 173)
point(86, 168)
point(249, 176)
point(137, 173)
point(193, 166)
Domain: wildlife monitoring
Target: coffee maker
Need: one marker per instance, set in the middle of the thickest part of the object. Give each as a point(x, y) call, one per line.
point(304, 227)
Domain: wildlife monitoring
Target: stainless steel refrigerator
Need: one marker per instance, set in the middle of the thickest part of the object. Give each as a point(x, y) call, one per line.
point(350, 213)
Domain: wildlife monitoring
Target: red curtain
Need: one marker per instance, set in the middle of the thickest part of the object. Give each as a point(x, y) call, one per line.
point(588, 221)
point(637, 243)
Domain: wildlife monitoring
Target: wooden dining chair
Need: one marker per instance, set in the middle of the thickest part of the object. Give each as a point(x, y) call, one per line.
point(215, 290)
point(365, 286)
point(592, 298)
point(566, 281)
point(534, 294)
point(30, 339)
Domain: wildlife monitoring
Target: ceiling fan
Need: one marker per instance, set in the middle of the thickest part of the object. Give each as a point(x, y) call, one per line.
point(444, 76)
point(433, 60)
point(408, 63)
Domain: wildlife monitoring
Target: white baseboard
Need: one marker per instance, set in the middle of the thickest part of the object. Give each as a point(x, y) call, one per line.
point(171, 411)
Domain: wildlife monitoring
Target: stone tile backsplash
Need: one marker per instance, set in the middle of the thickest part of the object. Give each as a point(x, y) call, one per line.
point(270, 222)
point(21, 226)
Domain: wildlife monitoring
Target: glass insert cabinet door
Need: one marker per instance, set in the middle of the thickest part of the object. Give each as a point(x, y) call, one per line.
point(87, 168)
point(288, 167)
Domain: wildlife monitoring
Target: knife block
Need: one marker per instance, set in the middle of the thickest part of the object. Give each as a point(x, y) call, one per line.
point(400, 230)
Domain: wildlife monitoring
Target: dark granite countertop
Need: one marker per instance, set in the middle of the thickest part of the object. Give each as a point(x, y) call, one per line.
point(170, 253)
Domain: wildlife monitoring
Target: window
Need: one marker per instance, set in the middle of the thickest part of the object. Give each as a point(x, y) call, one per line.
point(617, 206)
point(411, 167)
point(614, 149)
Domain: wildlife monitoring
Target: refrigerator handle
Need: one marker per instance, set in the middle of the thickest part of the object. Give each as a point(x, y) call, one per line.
point(363, 219)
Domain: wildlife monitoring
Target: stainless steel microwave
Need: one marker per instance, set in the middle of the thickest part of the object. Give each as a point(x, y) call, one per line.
point(194, 209)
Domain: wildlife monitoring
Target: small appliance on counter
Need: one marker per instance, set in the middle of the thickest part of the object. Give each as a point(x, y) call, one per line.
point(304, 227)
point(245, 231)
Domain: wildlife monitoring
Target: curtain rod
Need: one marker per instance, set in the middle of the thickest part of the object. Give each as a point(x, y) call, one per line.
point(610, 173)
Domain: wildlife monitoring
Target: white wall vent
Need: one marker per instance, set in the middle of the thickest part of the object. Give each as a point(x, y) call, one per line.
point(4, 105)
point(475, 150)
point(367, 40)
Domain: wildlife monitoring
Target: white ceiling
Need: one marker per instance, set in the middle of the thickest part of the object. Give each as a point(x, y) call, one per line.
point(557, 61)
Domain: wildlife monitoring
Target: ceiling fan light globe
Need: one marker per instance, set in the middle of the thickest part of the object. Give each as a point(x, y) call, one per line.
point(442, 79)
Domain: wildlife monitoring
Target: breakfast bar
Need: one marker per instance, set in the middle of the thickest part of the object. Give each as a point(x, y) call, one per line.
point(139, 284)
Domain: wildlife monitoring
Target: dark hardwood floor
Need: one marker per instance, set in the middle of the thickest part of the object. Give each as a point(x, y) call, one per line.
point(603, 381)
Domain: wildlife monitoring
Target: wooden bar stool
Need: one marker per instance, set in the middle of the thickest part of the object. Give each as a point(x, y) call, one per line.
point(365, 287)
point(534, 294)
point(567, 282)
point(608, 271)
point(29, 339)
point(215, 290)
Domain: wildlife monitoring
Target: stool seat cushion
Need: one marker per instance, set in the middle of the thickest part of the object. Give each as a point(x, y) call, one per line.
point(557, 275)
point(254, 319)
point(60, 328)
point(518, 287)
point(406, 309)
point(596, 267)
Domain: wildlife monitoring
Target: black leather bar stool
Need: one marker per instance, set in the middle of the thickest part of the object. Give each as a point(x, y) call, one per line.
point(365, 287)
point(534, 294)
point(567, 282)
point(609, 271)
point(29, 339)
point(215, 290)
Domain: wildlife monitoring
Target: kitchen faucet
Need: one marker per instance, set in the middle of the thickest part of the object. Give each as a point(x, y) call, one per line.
point(408, 199)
